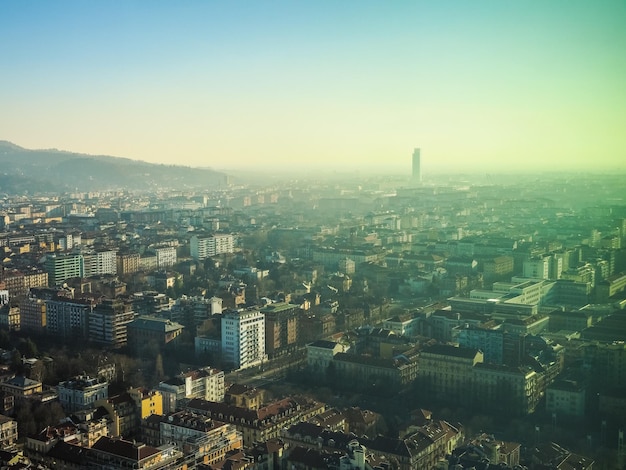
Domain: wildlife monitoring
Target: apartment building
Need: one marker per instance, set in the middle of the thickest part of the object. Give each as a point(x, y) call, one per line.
point(101, 262)
point(447, 371)
point(206, 383)
point(108, 322)
point(128, 263)
point(202, 247)
point(61, 267)
point(166, 256)
point(33, 315)
point(68, 318)
point(281, 327)
point(202, 439)
point(264, 423)
point(243, 338)
point(8, 432)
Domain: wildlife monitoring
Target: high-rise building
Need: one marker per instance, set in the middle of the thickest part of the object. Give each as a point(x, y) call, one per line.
point(100, 262)
point(202, 247)
point(61, 267)
point(108, 322)
point(243, 338)
point(417, 169)
point(68, 318)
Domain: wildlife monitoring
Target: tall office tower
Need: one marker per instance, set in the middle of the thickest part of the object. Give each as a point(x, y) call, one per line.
point(417, 171)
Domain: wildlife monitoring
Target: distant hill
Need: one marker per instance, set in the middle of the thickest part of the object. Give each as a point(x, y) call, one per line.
point(33, 171)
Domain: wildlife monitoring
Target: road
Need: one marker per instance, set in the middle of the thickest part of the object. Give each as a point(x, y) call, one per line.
point(272, 371)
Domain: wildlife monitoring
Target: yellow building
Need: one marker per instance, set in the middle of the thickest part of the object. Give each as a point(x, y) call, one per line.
point(148, 402)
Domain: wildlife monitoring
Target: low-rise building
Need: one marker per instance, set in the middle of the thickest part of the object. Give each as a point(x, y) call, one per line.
point(21, 387)
point(109, 453)
point(82, 392)
point(319, 355)
point(147, 330)
point(8, 432)
point(201, 439)
point(206, 383)
point(566, 397)
point(264, 423)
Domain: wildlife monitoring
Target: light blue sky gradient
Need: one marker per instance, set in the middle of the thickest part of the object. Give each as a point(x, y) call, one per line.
point(489, 85)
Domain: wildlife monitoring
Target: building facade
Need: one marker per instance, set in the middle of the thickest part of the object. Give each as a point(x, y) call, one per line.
point(82, 392)
point(243, 338)
point(202, 247)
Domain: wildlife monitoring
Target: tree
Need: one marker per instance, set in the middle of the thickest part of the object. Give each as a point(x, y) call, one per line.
point(5, 339)
point(159, 373)
point(28, 348)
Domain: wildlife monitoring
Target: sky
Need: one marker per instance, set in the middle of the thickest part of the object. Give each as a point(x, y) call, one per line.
point(297, 85)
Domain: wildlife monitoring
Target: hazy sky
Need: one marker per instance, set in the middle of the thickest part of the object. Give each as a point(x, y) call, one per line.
point(344, 84)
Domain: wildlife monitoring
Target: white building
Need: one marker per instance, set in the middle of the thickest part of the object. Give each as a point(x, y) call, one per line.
point(100, 262)
point(538, 268)
point(202, 247)
point(81, 393)
point(199, 436)
point(243, 338)
point(205, 383)
point(166, 256)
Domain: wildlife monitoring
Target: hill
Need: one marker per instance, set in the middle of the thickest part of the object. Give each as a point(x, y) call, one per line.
point(33, 171)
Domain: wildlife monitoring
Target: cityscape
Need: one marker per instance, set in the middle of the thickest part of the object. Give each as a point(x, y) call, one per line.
point(274, 235)
point(386, 322)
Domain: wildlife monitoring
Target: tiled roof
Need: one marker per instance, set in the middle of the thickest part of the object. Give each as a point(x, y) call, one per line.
point(125, 449)
point(448, 350)
point(323, 344)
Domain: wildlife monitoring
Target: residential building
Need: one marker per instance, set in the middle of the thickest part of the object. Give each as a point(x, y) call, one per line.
point(123, 414)
point(205, 246)
point(281, 327)
point(148, 402)
point(82, 392)
point(108, 322)
point(202, 439)
point(33, 315)
point(10, 317)
point(206, 383)
point(498, 267)
point(606, 289)
point(19, 282)
point(566, 397)
point(447, 372)
point(100, 262)
point(490, 341)
point(147, 330)
point(108, 453)
point(319, 355)
point(423, 449)
point(61, 267)
point(264, 423)
point(508, 390)
point(68, 318)
point(8, 432)
point(166, 256)
point(128, 263)
point(21, 387)
point(368, 371)
point(243, 338)
point(243, 396)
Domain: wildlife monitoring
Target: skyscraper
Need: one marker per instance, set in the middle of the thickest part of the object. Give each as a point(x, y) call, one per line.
point(417, 171)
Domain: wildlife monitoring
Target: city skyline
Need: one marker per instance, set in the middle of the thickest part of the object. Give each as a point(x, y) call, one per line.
point(486, 86)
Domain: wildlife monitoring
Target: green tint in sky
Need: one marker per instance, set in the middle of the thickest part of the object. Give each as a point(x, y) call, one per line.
point(489, 85)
